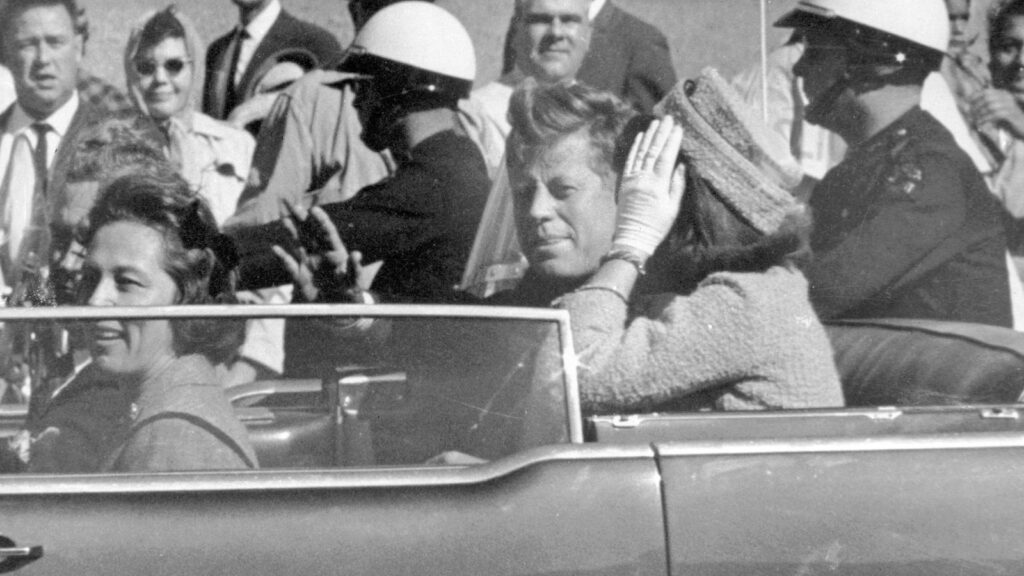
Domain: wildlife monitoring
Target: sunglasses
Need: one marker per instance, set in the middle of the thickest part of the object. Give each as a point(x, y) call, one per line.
point(173, 66)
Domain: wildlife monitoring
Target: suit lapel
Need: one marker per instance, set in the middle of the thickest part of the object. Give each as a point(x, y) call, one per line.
point(222, 77)
point(276, 37)
point(65, 150)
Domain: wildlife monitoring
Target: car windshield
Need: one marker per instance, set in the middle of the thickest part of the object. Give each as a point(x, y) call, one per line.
point(358, 385)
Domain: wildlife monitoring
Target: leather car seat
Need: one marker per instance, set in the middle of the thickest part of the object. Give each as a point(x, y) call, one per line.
point(895, 362)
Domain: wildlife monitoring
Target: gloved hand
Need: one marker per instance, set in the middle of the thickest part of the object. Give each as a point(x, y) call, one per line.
point(651, 189)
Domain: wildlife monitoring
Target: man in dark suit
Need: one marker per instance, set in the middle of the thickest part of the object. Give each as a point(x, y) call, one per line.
point(627, 56)
point(42, 46)
point(265, 31)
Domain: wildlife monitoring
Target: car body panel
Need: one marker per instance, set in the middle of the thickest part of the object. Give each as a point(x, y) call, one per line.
point(889, 505)
point(529, 514)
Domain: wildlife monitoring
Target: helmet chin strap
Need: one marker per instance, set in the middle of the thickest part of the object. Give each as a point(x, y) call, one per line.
point(861, 79)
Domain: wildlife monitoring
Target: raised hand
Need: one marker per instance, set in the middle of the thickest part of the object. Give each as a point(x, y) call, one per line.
point(323, 269)
point(998, 108)
point(651, 189)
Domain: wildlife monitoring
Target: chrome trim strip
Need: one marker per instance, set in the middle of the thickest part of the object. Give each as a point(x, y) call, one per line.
point(270, 480)
point(921, 442)
point(283, 311)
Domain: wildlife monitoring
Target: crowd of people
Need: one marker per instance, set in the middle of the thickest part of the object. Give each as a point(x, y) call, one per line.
point(696, 248)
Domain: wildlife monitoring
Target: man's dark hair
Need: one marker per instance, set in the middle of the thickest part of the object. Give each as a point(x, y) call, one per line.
point(542, 115)
point(11, 9)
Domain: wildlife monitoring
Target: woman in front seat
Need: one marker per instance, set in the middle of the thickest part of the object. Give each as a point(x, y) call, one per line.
point(150, 242)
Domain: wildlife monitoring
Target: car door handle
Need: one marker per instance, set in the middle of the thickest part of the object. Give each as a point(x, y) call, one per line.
point(21, 553)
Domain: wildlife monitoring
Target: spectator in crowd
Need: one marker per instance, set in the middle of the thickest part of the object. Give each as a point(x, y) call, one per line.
point(310, 146)
point(905, 225)
point(150, 242)
point(963, 68)
point(419, 223)
point(42, 47)
point(998, 114)
point(162, 69)
point(108, 148)
point(214, 158)
point(233, 61)
point(548, 40)
point(627, 56)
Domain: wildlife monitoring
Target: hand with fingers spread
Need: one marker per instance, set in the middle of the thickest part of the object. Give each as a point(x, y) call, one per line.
point(998, 108)
point(651, 189)
point(323, 269)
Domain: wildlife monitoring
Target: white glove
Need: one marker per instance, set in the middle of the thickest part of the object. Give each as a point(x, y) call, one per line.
point(651, 189)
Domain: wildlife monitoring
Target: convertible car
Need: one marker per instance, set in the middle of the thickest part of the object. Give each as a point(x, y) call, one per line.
point(449, 440)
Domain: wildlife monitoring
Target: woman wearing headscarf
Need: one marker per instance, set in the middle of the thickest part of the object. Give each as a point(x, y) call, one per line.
point(162, 63)
point(162, 67)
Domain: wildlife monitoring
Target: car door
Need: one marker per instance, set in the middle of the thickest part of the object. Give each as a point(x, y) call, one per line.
point(559, 510)
point(928, 490)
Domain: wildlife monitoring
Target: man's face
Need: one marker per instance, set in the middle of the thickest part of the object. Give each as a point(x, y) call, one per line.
point(822, 64)
point(564, 210)
point(959, 17)
point(1007, 64)
point(553, 38)
point(43, 52)
point(377, 127)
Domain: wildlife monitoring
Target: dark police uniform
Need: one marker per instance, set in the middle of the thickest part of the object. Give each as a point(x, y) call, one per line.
point(905, 227)
point(421, 223)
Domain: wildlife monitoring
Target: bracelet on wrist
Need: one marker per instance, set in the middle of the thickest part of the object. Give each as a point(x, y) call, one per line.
point(604, 288)
point(634, 257)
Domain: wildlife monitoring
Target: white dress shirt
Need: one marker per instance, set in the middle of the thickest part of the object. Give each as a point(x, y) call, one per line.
point(257, 30)
point(20, 121)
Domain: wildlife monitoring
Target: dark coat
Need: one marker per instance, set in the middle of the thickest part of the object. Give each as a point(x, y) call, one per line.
point(905, 227)
point(628, 57)
point(420, 222)
point(288, 32)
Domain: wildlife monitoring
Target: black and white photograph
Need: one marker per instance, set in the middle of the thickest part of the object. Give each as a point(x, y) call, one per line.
point(512, 287)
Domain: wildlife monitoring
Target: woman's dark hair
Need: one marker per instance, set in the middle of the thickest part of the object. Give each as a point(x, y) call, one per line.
point(196, 256)
point(708, 236)
point(1000, 14)
point(541, 115)
point(163, 25)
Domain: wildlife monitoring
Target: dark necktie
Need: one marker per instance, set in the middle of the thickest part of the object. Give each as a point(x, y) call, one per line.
point(231, 94)
point(40, 155)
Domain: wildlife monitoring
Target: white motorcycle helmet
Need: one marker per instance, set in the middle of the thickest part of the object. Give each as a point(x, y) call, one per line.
point(887, 41)
point(417, 56)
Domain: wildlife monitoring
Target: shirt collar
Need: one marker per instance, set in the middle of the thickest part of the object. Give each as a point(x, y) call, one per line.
point(595, 8)
point(260, 25)
point(59, 121)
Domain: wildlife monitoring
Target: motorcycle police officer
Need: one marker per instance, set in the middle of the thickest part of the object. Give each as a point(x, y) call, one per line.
point(905, 226)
